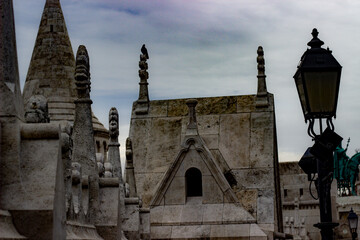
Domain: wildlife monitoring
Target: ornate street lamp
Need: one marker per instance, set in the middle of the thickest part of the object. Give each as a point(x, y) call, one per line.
point(353, 223)
point(317, 81)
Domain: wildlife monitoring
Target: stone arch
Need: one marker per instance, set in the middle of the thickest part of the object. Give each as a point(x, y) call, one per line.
point(193, 182)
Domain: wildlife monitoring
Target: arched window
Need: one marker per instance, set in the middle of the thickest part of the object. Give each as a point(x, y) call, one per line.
point(193, 180)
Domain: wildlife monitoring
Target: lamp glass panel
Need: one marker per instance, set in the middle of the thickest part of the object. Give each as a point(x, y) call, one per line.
point(353, 223)
point(321, 90)
point(300, 88)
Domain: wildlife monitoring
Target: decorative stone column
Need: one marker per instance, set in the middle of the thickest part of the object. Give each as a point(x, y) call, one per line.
point(83, 133)
point(142, 106)
point(113, 147)
point(262, 94)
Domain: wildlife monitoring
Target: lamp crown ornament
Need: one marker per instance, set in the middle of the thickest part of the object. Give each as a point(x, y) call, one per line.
point(315, 42)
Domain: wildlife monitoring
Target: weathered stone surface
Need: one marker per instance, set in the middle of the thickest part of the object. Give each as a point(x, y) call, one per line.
point(193, 159)
point(236, 214)
point(259, 178)
point(265, 208)
point(194, 231)
point(236, 127)
point(192, 214)
point(176, 191)
point(11, 103)
point(245, 103)
point(262, 139)
point(172, 214)
point(212, 193)
point(163, 232)
point(213, 213)
point(108, 213)
point(145, 186)
point(248, 199)
point(165, 137)
point(156, 215)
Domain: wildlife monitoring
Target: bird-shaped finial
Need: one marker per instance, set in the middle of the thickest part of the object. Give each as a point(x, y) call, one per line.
point(144, 51)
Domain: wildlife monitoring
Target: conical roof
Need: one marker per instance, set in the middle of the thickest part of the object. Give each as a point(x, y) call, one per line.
point(52, 67)
point(51, 70)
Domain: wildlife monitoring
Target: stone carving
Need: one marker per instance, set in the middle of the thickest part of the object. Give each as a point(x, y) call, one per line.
point(114, 124)
point(261, 97)
point(113, 147)
point(66, 152)
point(76, 175)
point(108, 170)
point(130, 174)
point(142, 106)
point(36, 110)
point(82, 72)
point(192, 125)
point(100, 164)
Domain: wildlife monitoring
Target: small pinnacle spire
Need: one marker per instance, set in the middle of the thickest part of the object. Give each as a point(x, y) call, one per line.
point(142, 106)
point(192, 125)
point(261, 96)
point(315, 42)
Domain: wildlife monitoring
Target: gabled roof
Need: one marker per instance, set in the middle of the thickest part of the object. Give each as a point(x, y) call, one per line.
point(193, 140)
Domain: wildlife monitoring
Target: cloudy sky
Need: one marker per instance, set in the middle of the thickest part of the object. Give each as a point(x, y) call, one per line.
point(203, 48)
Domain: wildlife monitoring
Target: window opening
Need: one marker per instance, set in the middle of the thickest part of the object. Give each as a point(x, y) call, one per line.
point(193, 178)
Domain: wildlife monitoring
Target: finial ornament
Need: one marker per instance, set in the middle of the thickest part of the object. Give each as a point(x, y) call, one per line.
point(192, 125)
point(261, 96)
point(261, 61)
point(142, 106)
point(82, 72)
point(315, 42)
point(114, 124)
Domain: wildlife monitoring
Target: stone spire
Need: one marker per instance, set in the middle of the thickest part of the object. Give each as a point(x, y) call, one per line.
point(10, 94)
point(142, 106)
point(261, 96)
point(114, 159)
point(51, 70)
point(83, 133)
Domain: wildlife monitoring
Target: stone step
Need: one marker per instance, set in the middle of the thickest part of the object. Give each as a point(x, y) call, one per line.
point(7, 228)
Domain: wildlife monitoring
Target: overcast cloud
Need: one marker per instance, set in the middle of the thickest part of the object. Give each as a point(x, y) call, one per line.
point(203, 48)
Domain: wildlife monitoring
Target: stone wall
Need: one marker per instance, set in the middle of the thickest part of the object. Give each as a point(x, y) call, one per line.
point(240, 137)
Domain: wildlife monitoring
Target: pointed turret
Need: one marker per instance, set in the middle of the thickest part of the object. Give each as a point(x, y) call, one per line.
point(51, 70)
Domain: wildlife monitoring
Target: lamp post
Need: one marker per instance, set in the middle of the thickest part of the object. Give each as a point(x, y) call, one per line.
point(353, 223)
point(317, 81)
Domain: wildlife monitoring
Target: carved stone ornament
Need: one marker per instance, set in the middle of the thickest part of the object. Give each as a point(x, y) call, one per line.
point(37, 110)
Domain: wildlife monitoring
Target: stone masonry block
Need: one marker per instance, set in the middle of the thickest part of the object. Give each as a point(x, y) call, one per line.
point(193, 159)
point(255, 178)
point(172, 214)
point(175, 194)
point(266, 206)
point(235, 126)
point(262, 137)
point(211, 191)
point(212, 213)
point(192, 214)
